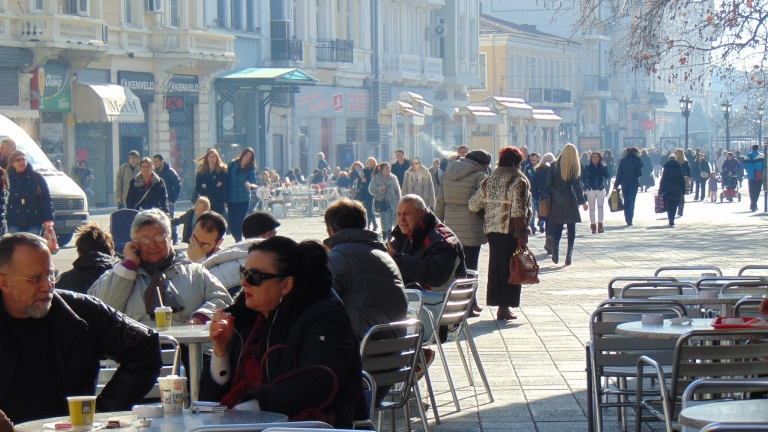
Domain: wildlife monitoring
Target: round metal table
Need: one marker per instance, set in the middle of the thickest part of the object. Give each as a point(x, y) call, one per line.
point(194, 336)
point(182, 422)
point(666, 330)
point(740, 411)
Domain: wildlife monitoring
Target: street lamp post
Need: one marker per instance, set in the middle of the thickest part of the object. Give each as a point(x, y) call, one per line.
point(685, 106)
point(726, 106)
point(760, 112)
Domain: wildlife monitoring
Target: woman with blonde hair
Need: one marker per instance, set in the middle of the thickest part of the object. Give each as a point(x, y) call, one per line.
point(418, 181)
point(365, 196)
point(212, 181)
point(680, 157)
point(564, 184)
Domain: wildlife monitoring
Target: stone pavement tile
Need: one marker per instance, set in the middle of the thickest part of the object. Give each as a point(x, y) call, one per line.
point(561, 426)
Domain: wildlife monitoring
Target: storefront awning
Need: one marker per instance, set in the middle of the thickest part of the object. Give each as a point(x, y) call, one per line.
point(106, 103)
point(513, 107)
point(19, 113)
point(268, 76)
point(546, 118)
point(478, 114)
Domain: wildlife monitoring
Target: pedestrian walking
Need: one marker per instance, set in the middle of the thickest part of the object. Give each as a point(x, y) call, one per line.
point(418, 181)
point(646, 179)
point(125, 175)
point(505, 199)
point(740, 173)
point(434, 170)
point(593, 179)
point(627, 178)
point(400, 166)
point(386, 196)
point(530, 171)
point(366, 196)
point(29, 202)
point(754, 163)
point(355, 179)
point(84, 176)
point(147, 190)
point(611, 166)
point(700, 170)
point(540, 192)
point(242, 177)
point(212, 181)
point(672, 186)
point(172, 186)
point(687, 175)
point(564, 184)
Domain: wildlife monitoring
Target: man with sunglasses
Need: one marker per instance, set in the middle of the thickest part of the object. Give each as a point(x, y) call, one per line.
point(51, 341)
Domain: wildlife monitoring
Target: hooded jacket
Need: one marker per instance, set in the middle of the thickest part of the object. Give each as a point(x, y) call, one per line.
point(85, 331)
point(461, 179)
point(314, 330)
point(86, 270)
point(672, 183)
point(366, 279)
point(172, 181)
point(189, 288)
point(754, 163)
point(29, 199)
point(140, 198)
point(225, 264)
point(431, 256)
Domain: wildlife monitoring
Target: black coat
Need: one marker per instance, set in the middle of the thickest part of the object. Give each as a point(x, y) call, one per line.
point(399, 170)
point(593, 176)
point(311, 322)
point(172, 181)
point(86, 269)
point(87, 331)
point(647, 179)
point(700, 167)
point(29, 202)
point(186, 220)
point(629, 172)
point(367, 279)
point(672, 183)
point(539, 183)
point(565, 197)
point(217, 194)
point(144, 199)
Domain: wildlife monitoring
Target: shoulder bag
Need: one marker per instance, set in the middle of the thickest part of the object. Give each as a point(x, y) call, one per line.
point(383, 205)
point(523, 268)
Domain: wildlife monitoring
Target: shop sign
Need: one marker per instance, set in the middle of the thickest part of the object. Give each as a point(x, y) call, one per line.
point(51, 88)
point(174, 103)
point(185, 86)
point(646, 125)
point(140, 83)
point(323, 101)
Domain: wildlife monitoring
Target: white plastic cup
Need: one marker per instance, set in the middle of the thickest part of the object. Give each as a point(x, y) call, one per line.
point(173, 391)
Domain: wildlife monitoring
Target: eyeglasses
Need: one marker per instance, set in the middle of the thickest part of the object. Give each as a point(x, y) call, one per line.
point(255, 277)
point(159, 238)
point(52, 277)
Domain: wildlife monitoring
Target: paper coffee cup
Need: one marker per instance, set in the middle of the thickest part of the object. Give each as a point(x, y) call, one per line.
point(173, 390)
point(163, 317)
point(81, 412)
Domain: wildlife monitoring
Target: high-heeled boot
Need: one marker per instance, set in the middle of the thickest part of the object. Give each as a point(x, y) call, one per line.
point(600, 228)
point(548, 244)
point(555, 255)
point(594, 228)
point(568, 256)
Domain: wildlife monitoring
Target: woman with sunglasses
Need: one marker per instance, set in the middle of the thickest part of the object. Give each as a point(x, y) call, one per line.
point(287, 341)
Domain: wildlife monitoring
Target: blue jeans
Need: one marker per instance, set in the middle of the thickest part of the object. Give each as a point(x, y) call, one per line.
point(630, 193)
point(34, 229)
point(387, 220)
point(174, 234)
point(237, 213)
point(535, 204)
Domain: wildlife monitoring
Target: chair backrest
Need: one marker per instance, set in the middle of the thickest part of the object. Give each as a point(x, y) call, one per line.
point(674, 304)
point(415, 299)
point(745, 288)
point(747, 308)
point(653, 289)
point(261, 427)
point(716, 282)
point(457, 303)
point(689, 269)
point(168, 346)
point(120, 227)
point(743, 354)
point(754, 268)
point(610, 349)
point(617, 283)
point(391, 360)
point(295, 429)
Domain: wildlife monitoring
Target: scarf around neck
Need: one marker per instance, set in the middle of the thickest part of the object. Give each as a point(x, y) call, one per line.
point(161, 265)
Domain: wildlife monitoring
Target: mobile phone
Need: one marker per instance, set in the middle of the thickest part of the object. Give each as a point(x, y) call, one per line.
point(137, 252)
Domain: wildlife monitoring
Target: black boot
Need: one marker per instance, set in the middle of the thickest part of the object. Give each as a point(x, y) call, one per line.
point(568, 256)
point(555, 255)
point(548, 244)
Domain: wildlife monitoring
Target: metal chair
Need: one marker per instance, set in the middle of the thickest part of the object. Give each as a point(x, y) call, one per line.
point(707, 386)
point(676, 304)
point(261, 427)
point(695, 357)
point(752, 268)
point(120, 227)
point(745, 288)
point(712, 283)
point(748, 307)
point(617, 283)
point(415, 310)
point(615, 356)
point(644, 290)
point(714, 269)
point(391, 361)
point(295, 429)
point(168, 346)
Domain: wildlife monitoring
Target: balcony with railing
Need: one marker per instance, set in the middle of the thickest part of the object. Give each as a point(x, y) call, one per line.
point(191, 42)
point(287, 50)
point(432, 69)
point(335, 50)
point(396, 66)
point(549, 97)
point(650, 98)
point(597, 86)
point(57, 31)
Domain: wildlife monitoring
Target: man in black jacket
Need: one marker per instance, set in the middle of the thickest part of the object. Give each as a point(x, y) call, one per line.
point(364, 276)
point(400, 166)
point(95, 255)
point(628, 177)
point(51, 342)
point(172, 185)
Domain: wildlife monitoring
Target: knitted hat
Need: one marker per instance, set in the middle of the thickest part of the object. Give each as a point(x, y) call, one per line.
point(14, 155)
point(258, 224)
point(480, 156)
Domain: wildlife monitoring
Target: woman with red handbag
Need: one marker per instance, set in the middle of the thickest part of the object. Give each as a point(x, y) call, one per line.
point(505, 197)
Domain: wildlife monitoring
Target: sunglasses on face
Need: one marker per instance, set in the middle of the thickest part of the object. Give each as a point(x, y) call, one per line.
point(255, 277)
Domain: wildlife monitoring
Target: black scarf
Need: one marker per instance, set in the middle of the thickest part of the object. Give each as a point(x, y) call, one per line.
point(161, 265)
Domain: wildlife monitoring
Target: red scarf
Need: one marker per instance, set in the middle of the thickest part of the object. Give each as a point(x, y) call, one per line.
point(249, 375)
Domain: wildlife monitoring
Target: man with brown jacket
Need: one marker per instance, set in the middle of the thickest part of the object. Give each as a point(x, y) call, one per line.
point(125, 174)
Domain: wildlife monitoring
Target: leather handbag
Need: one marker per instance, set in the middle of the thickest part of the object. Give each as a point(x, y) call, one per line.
point(544, 207)
point(523, 268)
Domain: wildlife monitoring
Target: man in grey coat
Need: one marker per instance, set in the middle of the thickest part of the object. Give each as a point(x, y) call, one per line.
point(364, 275)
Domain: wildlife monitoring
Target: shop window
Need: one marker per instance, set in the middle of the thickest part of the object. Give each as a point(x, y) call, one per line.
point(9, 91)
point(129, 12)
point(78, 7)
point(482, 72)
point(39, 5)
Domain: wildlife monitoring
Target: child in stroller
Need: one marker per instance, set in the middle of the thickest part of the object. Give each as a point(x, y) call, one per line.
point(712, 186)
point(730, 178)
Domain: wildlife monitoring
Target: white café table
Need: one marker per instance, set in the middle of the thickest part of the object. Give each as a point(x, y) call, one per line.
point(193, 336)
point(740, 411)
point(181, 422)
point(726, 301)
point(667, 330)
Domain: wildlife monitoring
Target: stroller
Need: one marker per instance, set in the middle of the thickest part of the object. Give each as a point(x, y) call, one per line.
point(730, 187)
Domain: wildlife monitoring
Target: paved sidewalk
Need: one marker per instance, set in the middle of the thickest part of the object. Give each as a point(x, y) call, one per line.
point(536, 363)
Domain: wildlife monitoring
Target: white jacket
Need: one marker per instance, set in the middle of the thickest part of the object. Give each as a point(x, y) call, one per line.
point(189, 287)
point(225, 264)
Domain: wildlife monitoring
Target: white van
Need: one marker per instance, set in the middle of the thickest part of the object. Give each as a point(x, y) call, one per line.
point(69, 201)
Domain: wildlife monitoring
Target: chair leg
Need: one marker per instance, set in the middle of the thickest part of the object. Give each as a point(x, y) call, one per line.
point(464, 361)
point(448, 376)
point(420, 406)
point(478, 363)
point(381, 417)
point(623, 409)
point(407, 414)
point(431, 392)
point(392, 420)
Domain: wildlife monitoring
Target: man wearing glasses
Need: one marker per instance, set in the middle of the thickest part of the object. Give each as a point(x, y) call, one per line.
point(153, 273)
point(51, 341)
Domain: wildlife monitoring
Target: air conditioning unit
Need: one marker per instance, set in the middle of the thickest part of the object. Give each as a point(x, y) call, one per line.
point(105, 34)
point(438, 30)
point(153, 5)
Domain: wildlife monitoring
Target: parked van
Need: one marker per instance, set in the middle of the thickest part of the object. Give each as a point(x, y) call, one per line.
point(69, 201)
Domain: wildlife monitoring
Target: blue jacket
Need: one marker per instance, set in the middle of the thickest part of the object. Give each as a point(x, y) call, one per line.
point(753, 163)
point(237, 177)
point(29, 202)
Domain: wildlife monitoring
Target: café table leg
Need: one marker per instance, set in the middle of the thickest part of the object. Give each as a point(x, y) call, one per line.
point(195, 364)
point(310, 204)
